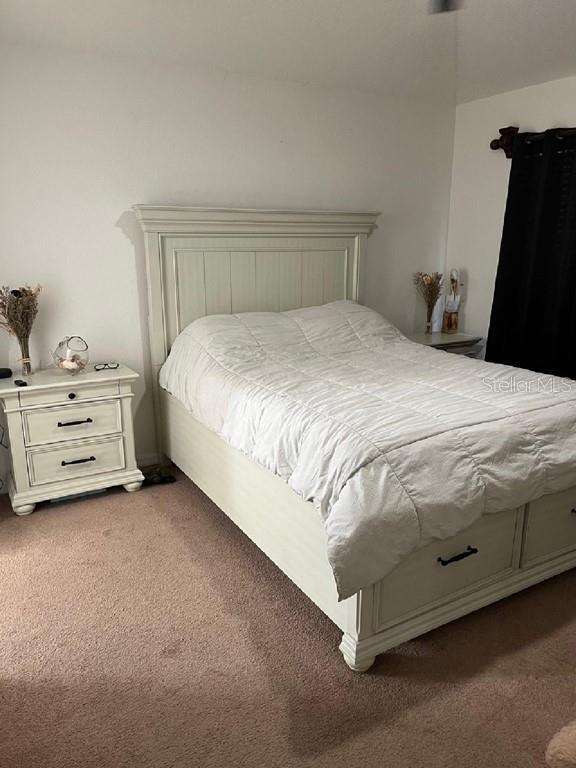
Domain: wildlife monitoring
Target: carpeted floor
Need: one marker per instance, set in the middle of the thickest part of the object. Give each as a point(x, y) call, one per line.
point(145, 631)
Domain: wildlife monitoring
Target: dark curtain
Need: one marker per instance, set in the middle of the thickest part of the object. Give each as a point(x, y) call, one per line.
point(533, 320)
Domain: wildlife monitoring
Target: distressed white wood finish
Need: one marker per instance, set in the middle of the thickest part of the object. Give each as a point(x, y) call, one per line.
point(550, 527)
point(360, 652)
point(266, 260)
point(47, 425)
point(259, 503)
point(456, 343)
point(48, 388)
point(54, 463)
point(416, 597)
point(205, 260)
point(421, 580)
point(185, 219)
point(38, 446)
point(222, 274)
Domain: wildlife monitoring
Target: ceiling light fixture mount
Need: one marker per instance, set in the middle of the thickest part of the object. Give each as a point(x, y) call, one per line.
point(444, 6)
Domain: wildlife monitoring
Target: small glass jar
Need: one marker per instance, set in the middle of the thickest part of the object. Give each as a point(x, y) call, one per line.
point(71, 354)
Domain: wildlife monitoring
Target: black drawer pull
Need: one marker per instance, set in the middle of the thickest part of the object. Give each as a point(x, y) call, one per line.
point(78, 461)
point(573, 511)
point(74, 423)
point(468, 552)
point(72, 395)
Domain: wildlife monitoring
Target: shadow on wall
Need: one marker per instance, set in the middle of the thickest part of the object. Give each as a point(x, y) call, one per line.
point(4, 348)
point(387, 276)
point(4, 342)
point(144, 413)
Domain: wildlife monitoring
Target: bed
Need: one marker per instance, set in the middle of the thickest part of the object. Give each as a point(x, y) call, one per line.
point(499, 513)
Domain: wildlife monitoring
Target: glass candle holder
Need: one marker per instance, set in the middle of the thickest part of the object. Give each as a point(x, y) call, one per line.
point(71, 354)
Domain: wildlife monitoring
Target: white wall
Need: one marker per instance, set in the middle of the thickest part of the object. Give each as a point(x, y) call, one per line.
point(480, 182)
point(83, 138)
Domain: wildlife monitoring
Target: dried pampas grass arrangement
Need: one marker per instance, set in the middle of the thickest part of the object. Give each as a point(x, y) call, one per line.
point(18, 310)
point(430, 287)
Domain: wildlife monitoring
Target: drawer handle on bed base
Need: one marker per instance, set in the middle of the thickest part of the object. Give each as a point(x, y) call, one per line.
point(78, 461)
point(74, 423)
point(573, 511)
point(468, 552)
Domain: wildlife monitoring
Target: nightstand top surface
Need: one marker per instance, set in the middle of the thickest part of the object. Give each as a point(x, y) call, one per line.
point(55, 378)
point(443, 340)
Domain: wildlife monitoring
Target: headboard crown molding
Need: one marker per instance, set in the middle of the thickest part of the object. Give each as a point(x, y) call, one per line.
point(174, 219)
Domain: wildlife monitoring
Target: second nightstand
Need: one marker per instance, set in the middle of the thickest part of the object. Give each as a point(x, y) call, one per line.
point(69, 434)
point(457, 343)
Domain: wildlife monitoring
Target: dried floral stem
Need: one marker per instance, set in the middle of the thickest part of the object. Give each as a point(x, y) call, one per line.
point(18, 310)
point(430, 287)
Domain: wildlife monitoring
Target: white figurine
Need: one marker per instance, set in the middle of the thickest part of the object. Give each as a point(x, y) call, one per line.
point(452, 304)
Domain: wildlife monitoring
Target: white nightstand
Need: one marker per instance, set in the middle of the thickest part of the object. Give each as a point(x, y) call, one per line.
point(69, 434)
point(458, 343)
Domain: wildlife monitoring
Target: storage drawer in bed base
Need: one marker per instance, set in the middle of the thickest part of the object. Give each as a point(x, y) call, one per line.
point(360, 649)
point(486, 551)
point(550, 528)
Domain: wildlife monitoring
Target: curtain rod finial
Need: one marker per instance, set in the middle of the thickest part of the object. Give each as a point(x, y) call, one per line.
point(505, 140)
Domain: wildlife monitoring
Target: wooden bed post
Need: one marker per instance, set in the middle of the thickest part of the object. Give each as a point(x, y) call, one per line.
point(360, 627)
point(156, 330)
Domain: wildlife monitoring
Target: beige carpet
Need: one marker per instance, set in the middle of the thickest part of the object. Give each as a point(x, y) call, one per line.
point(144, 631)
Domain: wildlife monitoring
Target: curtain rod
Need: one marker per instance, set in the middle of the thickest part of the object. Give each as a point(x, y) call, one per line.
point(505, 141)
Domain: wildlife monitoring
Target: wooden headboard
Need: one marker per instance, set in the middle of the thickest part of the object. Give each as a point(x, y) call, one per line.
point(205, 261)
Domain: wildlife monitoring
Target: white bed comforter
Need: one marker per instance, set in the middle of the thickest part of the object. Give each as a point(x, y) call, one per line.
point(395, 443)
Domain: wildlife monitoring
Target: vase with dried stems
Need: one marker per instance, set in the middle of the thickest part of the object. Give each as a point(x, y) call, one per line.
point(430, 286)
point(18, 310)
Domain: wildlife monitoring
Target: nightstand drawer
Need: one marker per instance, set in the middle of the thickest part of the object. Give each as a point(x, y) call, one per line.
point(75, 392)
point(74, 422)
point(550, 527)
point(86, 457)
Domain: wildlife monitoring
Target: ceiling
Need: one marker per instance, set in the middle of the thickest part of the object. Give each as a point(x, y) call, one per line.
point(386, 46)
